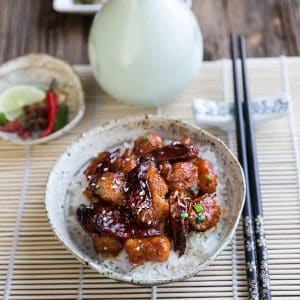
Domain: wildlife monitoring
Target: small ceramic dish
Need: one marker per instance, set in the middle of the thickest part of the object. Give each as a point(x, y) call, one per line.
point(70, 6)
point(112, 136)
point(221, 113)
point(39, 70)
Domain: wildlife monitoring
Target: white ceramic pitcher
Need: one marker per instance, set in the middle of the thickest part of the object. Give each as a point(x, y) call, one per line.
point(145, 52)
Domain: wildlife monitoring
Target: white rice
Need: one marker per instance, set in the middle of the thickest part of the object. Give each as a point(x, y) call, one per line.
point(199, 245)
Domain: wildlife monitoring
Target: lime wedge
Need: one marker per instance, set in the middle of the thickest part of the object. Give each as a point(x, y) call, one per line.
point(13, 99)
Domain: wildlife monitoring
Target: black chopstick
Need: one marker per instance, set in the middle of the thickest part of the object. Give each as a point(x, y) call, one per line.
point(261, 248)
point(249, 235)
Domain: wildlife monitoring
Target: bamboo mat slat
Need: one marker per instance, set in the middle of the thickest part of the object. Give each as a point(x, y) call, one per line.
point(35, 265)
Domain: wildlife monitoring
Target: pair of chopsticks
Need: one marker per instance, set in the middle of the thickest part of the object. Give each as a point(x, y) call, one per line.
point(254, 238)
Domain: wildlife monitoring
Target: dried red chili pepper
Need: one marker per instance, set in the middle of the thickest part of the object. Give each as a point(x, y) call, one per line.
point(101, 218)
point(15, 127)
point(179, 206)
point(172, 153)
point(138, 193)
point(11, 126)
point(51, 99)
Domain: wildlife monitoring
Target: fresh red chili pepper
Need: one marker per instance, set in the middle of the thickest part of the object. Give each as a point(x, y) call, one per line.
point(15, 127)
point(51, 99)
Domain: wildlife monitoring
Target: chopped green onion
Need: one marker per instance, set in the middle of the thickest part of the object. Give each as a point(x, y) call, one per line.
point(199, 219)
point(94, 158)
point(3, 119)
point(145, 137)
point(193, 189)
point(184, 215)
point(208, 178)
point(99, 189)
point(198, 208)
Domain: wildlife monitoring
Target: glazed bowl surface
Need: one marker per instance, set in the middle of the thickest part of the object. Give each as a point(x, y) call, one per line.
point(111, 136)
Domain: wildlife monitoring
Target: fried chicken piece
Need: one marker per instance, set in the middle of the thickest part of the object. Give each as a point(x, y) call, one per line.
point(107, 246)
point(165, 169)
point(102, 163)
point(147, 143)
point(156, 183)
point(126, 162)
point(92, 167)
point(204, 213)
point(99, 165)
point(184, 177)
point(207, 176)
point(110, 188)
point(155, 215)
point(141, 250)
point(160, 208)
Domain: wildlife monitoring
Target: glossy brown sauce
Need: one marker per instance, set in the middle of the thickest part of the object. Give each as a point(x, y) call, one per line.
point(144, 199)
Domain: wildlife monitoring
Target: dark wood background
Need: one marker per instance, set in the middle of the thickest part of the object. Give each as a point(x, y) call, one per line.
point(272, 28)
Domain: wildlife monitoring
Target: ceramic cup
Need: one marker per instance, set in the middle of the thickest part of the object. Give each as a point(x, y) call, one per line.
point(145, 52)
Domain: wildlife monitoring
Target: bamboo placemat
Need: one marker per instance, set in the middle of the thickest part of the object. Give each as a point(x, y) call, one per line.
point(34, 264)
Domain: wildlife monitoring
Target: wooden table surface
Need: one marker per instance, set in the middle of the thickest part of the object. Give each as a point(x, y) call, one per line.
point(271, 27)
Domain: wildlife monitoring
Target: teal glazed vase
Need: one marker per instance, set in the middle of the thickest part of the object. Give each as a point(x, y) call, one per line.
point(145, 52)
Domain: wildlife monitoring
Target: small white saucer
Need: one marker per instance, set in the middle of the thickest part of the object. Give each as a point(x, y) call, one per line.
point(221, 113)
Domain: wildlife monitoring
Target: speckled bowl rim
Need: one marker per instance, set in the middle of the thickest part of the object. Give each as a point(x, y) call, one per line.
point(11, 65)
point(123, 277)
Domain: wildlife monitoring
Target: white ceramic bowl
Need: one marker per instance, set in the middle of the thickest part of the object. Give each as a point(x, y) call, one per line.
point(39, 70)
point(116, 133)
